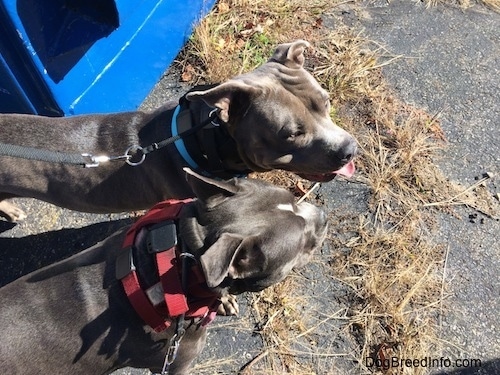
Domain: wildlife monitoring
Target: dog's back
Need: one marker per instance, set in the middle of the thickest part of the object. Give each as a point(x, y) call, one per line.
point(36, 308)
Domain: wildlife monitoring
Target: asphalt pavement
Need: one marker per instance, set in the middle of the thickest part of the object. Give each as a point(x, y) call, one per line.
point(451, 66)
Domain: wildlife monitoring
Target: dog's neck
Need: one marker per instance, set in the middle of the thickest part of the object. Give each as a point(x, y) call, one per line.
point(158, 260)
point(196, 237)
point(190, 235)
point(192, 232)
point(211, 150)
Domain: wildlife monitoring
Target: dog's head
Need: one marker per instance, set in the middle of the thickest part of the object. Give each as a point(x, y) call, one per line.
point(280, 118)
point(251, 234)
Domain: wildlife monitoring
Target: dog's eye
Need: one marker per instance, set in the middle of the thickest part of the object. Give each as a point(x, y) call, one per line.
point(295, 134)
point(291, 134)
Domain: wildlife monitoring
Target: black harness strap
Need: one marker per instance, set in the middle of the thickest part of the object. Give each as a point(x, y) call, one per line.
point(186, 133)
point(88, 160)
point(213, 149)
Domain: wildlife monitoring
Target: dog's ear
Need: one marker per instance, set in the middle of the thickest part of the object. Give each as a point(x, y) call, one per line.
point(231, 256)
point(291, 54)
point(209, 191)
point(223, 96)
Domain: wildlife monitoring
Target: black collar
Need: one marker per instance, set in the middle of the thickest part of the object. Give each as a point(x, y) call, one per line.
point(211, 151)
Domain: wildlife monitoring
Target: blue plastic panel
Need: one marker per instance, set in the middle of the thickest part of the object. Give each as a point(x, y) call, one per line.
point(87, 63)
point(22, 90)
point(12, 96)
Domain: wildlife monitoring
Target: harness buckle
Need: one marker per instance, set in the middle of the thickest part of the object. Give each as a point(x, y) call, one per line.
point(162, 236)
point(124, 263)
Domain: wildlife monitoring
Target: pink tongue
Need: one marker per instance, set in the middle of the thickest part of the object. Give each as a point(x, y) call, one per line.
point(347, 170)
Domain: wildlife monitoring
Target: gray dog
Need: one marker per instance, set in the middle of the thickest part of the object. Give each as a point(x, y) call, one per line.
point(74, 317)
point(276, 117)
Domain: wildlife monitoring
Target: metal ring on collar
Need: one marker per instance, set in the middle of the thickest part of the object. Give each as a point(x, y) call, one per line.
point(215, 110)
point(187, 255)
point(134, 149)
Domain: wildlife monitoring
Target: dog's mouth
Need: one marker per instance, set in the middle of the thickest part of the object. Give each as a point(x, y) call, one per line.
point(346, 171)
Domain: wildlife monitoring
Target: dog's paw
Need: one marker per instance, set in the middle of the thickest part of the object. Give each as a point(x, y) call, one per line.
point(229, 306)
point(11, 212)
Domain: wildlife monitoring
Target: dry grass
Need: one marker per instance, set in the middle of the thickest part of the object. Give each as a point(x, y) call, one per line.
point(395, 273)
point(240, 35)
point(279, 322)
point(465, 4)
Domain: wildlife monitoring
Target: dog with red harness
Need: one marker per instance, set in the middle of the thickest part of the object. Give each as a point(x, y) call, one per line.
point(144, 296)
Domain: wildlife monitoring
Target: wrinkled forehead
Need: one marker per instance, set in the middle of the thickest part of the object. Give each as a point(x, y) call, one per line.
point(283, 240)
point(262, 208)
point(273, 75)
point(274, 226)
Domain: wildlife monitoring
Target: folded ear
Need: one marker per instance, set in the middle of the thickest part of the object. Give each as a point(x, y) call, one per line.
point(291, 54)
point(223, 96)
point(209, 191)
point(231, 256)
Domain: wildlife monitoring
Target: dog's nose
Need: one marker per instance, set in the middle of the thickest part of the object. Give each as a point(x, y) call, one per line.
point(347, 150)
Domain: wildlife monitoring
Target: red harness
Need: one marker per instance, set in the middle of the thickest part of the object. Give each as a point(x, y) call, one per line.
point(197, 301)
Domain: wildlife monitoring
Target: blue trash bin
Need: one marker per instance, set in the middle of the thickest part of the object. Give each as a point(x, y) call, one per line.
point(67, 57)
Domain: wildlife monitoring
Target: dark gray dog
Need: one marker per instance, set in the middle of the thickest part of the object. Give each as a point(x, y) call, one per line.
point(73, 317)
point(276, 117)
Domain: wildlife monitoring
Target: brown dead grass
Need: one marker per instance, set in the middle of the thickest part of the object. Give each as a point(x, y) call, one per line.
point(465, 4)
point(394, 270)
point(394, 273)
point(279, 322)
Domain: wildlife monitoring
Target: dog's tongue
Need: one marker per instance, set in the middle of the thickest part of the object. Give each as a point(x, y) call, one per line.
point(347, 170)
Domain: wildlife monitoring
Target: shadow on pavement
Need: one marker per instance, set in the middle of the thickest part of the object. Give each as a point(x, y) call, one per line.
point(20, 256)
point(486, 368)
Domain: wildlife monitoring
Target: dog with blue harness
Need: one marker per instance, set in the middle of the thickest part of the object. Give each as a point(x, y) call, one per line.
point(275, 117)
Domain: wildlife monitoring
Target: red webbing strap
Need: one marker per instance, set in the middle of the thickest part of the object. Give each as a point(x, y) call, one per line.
point(204, 306)
point(141, 303)
point(175, 298)
point(166, 210)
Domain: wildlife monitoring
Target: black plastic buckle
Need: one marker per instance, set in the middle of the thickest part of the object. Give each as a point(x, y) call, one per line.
point(161, 237)
point(124, 263)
